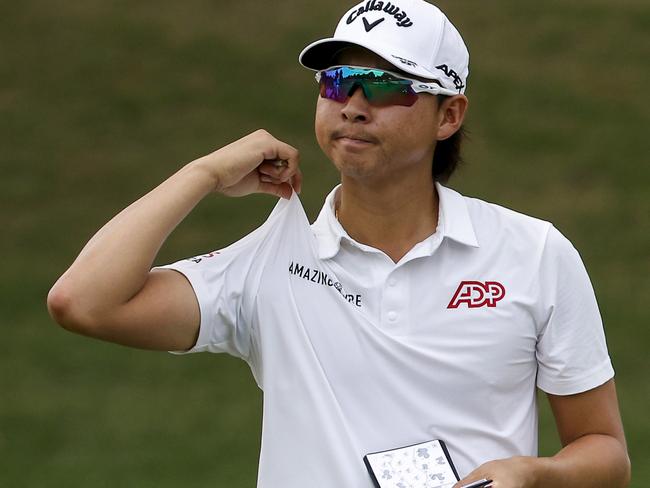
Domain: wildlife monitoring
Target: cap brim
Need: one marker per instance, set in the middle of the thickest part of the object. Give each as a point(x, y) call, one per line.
point(320, 55)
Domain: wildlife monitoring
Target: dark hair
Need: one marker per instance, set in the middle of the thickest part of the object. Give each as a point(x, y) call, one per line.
point(447, 156)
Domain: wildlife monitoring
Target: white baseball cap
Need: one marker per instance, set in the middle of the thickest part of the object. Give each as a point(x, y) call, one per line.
point(413, 35)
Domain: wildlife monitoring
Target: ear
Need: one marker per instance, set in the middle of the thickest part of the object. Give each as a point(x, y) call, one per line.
point(451, 114)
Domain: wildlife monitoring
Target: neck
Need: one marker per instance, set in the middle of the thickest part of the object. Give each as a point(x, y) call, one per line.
point(391, 217)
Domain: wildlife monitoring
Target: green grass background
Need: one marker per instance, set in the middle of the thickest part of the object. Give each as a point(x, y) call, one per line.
point(101, 100)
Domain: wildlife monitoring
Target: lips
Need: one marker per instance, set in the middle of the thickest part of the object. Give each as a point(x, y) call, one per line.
point(353, 136)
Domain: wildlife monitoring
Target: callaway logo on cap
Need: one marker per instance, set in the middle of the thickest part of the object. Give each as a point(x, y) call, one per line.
point(413, 35)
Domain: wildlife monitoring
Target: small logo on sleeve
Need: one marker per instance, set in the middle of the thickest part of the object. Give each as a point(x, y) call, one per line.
point(198, 259)
point(476, 294)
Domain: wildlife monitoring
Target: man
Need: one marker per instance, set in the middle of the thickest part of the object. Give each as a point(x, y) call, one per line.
point(405, 313)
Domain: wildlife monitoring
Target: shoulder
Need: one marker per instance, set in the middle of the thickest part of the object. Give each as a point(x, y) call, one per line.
point(499, 225)
point(485, 215)
point(524, 241)
point(498, 229)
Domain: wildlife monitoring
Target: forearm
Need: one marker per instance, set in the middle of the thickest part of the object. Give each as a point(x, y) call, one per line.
point(109, 293)
point(114, 264)
point(592, 461)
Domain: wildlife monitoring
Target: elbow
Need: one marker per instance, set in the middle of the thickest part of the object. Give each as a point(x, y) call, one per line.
point(625, 465)
point(58, 304)
point(627, 477)
point(622, 475)
point(65, 308)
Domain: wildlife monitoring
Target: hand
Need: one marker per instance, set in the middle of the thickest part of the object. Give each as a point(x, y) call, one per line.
point(515, 472)
point(256, 163)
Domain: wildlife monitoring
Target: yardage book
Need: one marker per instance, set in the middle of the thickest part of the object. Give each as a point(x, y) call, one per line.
point(424, 465)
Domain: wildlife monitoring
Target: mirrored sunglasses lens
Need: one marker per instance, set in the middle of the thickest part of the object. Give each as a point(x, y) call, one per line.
point(387, 93)
point(332, 91)
point(333, 85)
point(380, 88)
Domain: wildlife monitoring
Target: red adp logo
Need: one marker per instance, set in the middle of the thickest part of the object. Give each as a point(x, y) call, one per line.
point(477, 294)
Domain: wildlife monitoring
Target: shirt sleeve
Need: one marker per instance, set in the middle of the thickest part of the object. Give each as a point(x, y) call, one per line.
point(572, 352)
point(224, 282)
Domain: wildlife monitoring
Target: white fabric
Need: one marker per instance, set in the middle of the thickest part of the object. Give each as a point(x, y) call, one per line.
point(413, 35)
point(357, 354)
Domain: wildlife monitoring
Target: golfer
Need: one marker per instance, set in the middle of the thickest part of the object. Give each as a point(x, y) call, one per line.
point(405, 313)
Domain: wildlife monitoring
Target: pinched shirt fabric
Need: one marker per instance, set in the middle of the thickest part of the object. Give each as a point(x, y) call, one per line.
point(356, 353)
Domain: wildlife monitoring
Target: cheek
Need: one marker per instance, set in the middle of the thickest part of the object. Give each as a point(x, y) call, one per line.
point(409, 136)
point(323, 122)
point(420, 127)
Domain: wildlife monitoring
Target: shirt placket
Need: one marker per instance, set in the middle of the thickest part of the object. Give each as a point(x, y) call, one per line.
point(394, 301)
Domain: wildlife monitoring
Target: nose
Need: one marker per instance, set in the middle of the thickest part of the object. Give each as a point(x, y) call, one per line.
point(356, 107)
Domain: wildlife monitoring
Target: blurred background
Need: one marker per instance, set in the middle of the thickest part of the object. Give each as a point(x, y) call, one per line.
point(101, 100)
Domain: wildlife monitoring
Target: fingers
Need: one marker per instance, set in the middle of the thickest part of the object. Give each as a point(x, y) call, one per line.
point(282, 163)
point(282, 190)
point(476, 478)
point(474, 483)
point(273, 169)
point(277, 150)
point(296, 181)
point(279, 173)
point(252, 163)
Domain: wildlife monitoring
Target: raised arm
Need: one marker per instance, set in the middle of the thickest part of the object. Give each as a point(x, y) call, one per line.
point(109, 291)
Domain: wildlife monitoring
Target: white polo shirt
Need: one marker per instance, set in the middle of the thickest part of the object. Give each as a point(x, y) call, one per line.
point(358, 354)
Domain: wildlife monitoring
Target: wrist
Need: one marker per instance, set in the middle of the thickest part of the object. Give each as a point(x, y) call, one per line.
point(204, 169)
point(540, 469)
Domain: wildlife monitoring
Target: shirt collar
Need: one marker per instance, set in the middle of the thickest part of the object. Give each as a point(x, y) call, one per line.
point(455, 218)
point(454, 222)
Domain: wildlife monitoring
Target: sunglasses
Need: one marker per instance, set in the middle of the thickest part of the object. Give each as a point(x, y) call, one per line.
point(380, 87)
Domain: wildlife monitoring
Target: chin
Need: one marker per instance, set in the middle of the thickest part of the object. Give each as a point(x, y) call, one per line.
point(357, 168)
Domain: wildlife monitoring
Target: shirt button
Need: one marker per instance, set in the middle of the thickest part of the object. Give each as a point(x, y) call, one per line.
point(392, 316)
point(392, 282)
